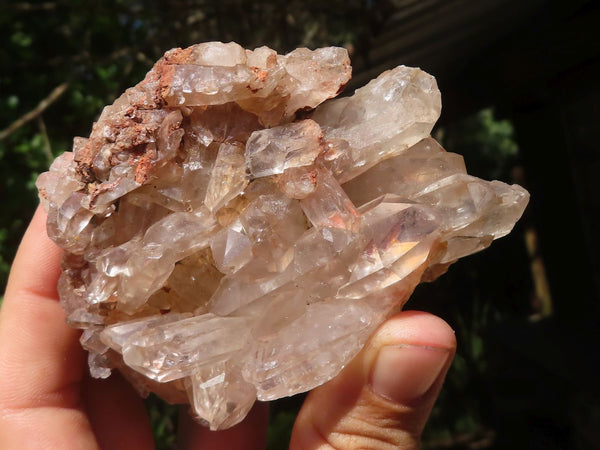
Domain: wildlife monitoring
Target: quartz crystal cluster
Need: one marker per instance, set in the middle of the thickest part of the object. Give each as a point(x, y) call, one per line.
point(229, 235)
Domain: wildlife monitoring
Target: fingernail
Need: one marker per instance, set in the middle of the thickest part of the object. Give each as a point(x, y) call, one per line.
point(404, 373)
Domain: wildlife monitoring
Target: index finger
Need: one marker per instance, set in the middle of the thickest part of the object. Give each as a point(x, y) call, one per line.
point(37, 347)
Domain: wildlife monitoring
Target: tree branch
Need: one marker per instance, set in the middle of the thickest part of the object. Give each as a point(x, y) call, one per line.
point(47, 147)
point(40, 108)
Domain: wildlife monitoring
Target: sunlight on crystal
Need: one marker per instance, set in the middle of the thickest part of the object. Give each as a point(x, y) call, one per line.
point(230, 235)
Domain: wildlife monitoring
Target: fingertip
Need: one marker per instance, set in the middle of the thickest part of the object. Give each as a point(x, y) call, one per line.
point(36, 267)
point(38, 221)
point(417, 328)
point(39, 348)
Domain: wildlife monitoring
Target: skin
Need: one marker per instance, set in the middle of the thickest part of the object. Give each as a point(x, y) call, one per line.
point(381, 400)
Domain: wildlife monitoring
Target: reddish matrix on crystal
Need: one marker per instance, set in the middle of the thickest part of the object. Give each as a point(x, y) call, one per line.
point(221, 247)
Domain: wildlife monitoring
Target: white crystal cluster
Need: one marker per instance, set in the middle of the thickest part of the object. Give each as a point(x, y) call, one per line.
point(228, 236)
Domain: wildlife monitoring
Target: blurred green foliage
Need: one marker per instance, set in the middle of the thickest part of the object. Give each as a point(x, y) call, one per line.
point(280, 429)
point(163, 419)
point(487, 144)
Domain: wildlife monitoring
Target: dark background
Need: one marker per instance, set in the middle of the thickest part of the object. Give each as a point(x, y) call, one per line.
point(520, 94)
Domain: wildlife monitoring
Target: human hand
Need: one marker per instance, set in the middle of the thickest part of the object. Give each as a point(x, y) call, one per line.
point(381, 400)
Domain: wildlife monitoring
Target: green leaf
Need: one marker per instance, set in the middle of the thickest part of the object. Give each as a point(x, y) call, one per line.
point(21, 39)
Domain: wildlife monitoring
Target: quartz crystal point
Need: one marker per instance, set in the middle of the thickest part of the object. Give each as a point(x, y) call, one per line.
point(230, 237)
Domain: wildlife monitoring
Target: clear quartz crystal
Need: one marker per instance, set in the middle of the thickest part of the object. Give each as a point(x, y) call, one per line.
point(228, 178)
point(274, 150)
point(220, 395)
point(382, 119)
point(230, 237)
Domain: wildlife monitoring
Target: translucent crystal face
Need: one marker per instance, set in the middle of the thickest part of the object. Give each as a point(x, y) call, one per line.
point(219, 249)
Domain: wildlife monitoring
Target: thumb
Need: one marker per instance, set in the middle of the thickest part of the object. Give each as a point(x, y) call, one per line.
point(383, 398)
